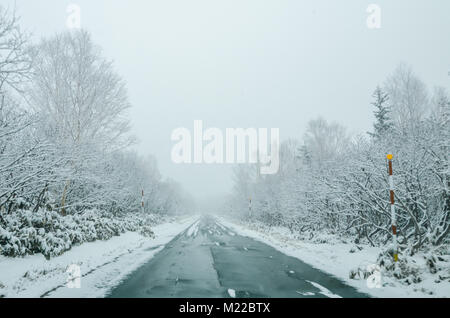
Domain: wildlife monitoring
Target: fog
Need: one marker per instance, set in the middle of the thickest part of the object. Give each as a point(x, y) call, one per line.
point(250, 64)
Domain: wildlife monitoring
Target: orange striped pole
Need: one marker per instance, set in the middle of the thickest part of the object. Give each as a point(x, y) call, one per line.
point(142, 200)
point(393, 216)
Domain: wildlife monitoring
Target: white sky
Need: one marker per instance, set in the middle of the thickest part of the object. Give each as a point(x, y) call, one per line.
point(250, 63)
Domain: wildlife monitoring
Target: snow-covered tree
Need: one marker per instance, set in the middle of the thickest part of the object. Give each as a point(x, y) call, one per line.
point(15, 62)
point(383, 122)
point(80, 99)
point(408, 98)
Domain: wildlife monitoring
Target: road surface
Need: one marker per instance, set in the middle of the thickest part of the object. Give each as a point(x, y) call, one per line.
point(210, 260)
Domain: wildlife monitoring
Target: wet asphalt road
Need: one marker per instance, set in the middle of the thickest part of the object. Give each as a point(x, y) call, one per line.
point(210, 260)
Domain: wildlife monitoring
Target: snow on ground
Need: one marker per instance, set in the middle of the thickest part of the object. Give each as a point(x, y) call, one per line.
point(103, 264)
point(193, 230)
point(232, 293)
point(336, 259)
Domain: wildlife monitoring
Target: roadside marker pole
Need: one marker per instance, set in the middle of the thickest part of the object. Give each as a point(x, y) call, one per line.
point(142, 201)
point(393, 216)
point(249, 207)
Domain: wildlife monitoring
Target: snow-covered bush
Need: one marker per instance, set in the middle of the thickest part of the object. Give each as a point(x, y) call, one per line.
point(47, 232)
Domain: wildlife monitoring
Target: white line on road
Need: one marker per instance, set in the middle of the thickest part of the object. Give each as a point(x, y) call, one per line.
point(324, 291)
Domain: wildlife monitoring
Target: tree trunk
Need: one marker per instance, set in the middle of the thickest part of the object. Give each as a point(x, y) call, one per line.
point(63, 199)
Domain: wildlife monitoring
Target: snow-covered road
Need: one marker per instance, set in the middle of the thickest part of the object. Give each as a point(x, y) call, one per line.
point(210, 260)
point(102, 264)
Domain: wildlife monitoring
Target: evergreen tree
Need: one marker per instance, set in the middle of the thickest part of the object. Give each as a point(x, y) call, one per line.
point(382, 120)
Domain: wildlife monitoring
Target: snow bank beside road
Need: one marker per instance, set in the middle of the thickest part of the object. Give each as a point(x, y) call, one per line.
point(103, 264)
point(339, 259)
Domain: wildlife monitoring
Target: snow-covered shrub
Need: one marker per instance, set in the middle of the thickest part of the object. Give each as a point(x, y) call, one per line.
point(50, 233)
point(147, 231)
point(412, 269)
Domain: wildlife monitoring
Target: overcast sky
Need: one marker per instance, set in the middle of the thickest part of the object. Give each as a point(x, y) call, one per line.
point(241, 63)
